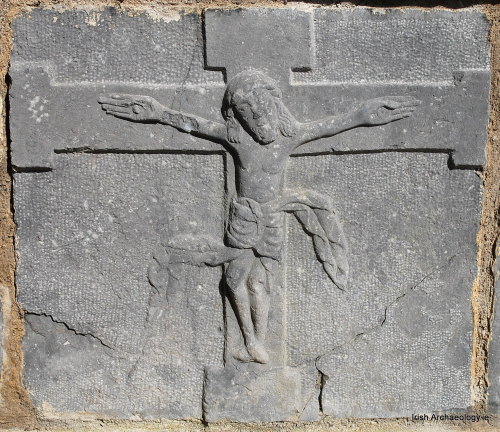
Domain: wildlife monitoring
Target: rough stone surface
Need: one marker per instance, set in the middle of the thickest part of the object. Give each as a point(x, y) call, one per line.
point(97, 196)
point(290, 49)
point(170, 55)
point(401, 333)
point(98, 333)
point(454, 119)
point(355, 45)
point(246, 396)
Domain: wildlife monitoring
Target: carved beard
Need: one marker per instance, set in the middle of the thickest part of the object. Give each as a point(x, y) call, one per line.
point(263, 129)
point(265, 134)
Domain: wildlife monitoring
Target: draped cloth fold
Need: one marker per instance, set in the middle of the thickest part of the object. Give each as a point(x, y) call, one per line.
point(261, 228)
point(319, 219)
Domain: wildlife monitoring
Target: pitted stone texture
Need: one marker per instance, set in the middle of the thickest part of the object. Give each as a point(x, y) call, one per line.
point(252, 394)
point(494, 351)
point(398, 341)
point(451, 118)
point(111, 46)
point(108, 341)
point(355, 46)
point(37, 107)
point(234, 40)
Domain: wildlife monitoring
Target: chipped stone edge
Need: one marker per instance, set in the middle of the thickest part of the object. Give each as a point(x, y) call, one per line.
point(483, 295)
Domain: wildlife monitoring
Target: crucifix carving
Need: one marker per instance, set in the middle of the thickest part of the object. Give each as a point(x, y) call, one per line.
point(214, 146)
point(260, 134)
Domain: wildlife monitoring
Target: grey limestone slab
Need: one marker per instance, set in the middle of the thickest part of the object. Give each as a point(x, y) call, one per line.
point(63, 82)
point(214, 226)
point(420, 46)
point(111, 46)
point(289, 32)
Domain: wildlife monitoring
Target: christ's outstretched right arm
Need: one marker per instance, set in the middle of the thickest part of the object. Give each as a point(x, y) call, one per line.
point(146, 109)
point(373, 112)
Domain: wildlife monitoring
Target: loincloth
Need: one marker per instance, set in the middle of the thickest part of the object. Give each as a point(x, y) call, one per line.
point(261, 227)
point(254, 226)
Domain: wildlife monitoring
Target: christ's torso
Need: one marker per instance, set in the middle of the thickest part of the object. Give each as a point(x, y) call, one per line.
point(260, 170)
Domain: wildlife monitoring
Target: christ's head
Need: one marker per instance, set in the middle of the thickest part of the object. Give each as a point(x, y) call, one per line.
point(253, 102)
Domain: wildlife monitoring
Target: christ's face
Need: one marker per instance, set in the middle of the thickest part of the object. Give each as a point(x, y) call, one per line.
point(258, 114)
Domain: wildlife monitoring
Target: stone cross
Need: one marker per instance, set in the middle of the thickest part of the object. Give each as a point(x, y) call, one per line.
point(234, 44)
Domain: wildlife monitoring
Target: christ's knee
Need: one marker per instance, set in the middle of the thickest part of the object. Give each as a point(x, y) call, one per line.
point(235, 287)
point(257, 286)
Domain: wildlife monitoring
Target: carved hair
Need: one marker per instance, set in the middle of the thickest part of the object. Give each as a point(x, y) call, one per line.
point(238, 87)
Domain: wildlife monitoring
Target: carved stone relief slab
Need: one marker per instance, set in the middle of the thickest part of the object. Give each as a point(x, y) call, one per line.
point(210, 225)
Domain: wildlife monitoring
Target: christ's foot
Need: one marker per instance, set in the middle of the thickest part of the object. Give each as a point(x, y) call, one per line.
point(258, 353)
point(253, 353)
point(242, 355)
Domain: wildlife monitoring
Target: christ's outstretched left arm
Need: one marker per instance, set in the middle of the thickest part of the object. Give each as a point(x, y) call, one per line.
point(145, 109)
point(373, 112)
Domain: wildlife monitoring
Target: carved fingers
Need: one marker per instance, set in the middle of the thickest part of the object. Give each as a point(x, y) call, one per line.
point(131, 107)
point(388, 109)
point(394, 102)
point(401, 106)
point(400, 113)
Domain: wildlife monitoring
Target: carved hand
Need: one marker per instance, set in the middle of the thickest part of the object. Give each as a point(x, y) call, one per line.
point(386, 109)
point(132, 107)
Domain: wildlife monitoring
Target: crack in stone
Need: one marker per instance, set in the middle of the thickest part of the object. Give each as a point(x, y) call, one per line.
point(184, 80)
point(76, 332)
point(382, 323)
point(306, 403)
point(322, 379)
point(244, 386)
point(413, 288)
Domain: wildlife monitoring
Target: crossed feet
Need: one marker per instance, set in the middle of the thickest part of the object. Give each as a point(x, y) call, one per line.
point(253, 353)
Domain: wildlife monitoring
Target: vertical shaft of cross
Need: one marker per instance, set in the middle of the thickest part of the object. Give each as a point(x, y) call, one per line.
point(234, 43)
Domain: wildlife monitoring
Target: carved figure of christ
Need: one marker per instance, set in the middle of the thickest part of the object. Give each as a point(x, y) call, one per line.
point(260, 134)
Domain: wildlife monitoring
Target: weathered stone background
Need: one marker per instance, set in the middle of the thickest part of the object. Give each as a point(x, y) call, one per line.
point(15, 407)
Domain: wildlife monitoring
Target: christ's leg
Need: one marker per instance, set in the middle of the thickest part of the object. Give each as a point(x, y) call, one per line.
point(237, 274)
point(258, 290)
